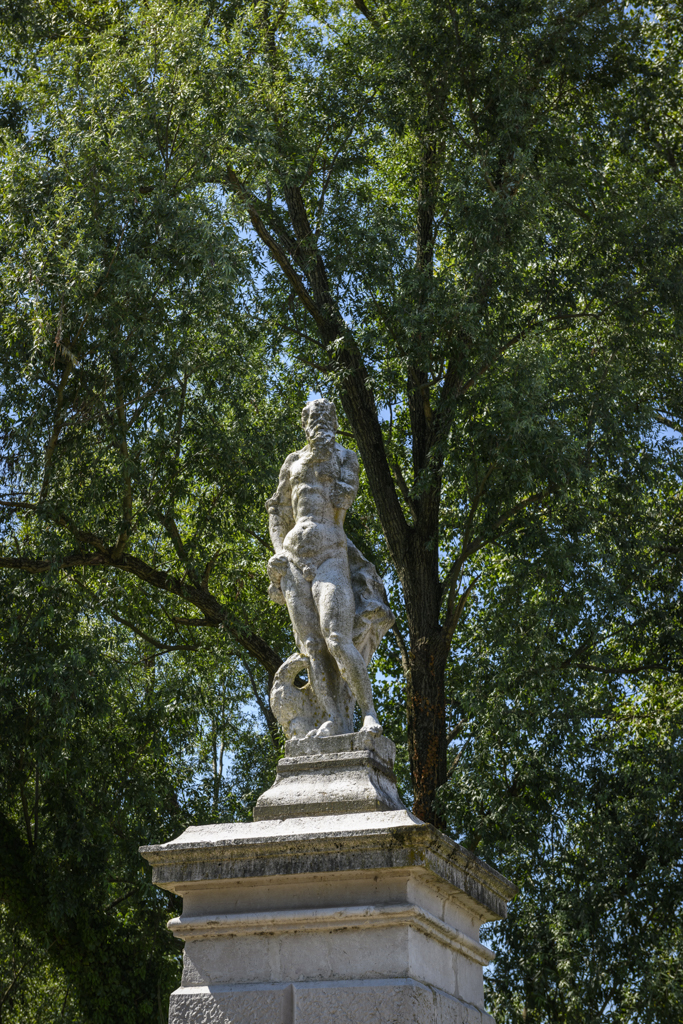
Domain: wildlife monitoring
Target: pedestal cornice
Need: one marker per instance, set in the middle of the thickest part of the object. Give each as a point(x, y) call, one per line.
point(315, 845)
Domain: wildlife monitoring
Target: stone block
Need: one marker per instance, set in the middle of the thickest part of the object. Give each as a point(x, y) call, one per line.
point(356, 918)
point(344, 774)
point(393, 1001)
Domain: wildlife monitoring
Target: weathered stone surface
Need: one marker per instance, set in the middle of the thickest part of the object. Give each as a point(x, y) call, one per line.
point(334, 597)
point(324, 846)
point(352, 918)
point(381, 745)
point(332, 775)
point(392, 1001)
point(228, 1004)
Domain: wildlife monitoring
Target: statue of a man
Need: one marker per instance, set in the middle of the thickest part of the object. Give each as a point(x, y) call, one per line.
point(333, 595)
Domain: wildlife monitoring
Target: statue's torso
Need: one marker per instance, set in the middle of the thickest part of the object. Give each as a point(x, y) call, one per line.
point(318, 533)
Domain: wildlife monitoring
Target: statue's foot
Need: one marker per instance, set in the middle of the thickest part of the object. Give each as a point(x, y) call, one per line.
point(326, 729)
point(371, 725)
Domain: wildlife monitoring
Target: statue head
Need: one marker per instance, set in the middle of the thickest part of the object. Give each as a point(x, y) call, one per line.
point(319, 420)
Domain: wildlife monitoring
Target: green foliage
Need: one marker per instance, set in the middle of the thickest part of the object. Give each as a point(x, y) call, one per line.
point(461, 220)
point(90, 769)
point(103, 751)
point(596, 934)
point(567, 768)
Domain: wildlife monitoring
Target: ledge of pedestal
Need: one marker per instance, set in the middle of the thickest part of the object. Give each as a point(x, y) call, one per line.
point(377, 841)
point(382, 746)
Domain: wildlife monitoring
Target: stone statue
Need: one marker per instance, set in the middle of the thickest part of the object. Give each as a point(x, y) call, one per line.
point(334, 596)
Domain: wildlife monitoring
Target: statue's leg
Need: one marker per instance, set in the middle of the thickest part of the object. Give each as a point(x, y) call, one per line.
point(336, 606)
point(309, 639)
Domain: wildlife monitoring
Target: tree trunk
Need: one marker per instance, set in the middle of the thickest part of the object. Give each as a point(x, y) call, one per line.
point(426, 706)
point(427, 656)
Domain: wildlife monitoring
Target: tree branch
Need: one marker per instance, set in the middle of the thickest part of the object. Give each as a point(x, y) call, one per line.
point(403, 487)
point(453, 611)
point(502, 520)
point(56, 428)
point(158, 644)
point(264, 706)
point(667, 422)
point(26, 815)
point(485, 367)
point(276, 251)
point(357, 398)
point(210, 565)
point(127, 496)
point(632, 670)
point(360, 6)
point(121, 899)
point(216, 614)
point(456, 568)
point(455, 732)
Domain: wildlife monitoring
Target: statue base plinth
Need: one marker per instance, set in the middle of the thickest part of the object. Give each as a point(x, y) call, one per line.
point(345, 774)
point(366, 918)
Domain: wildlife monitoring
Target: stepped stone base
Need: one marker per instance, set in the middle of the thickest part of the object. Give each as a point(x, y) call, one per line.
point(366, 918)
point(395, 1001)
point(344, 774)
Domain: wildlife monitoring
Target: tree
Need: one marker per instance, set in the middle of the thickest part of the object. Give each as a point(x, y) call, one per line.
point(125, 350)
point(567, 773)
point(436, 187)
point(439, 197)
point(463, 223)
point(90, 767)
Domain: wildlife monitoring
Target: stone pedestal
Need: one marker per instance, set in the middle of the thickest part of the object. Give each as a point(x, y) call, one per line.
point(356, 918)
point(332, 775)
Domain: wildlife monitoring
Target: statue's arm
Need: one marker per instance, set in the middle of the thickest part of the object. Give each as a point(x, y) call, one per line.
point(346, 487)
point(279, 507)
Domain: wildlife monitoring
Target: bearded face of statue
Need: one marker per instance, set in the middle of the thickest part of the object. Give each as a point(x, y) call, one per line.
point(319, 420)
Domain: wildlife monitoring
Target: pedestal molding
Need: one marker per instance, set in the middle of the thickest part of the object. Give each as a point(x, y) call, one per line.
point(349, 842)
point(331, 763)
point(330, 919)
point(205, 1003)
point(368, 918)
point(382, 746)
